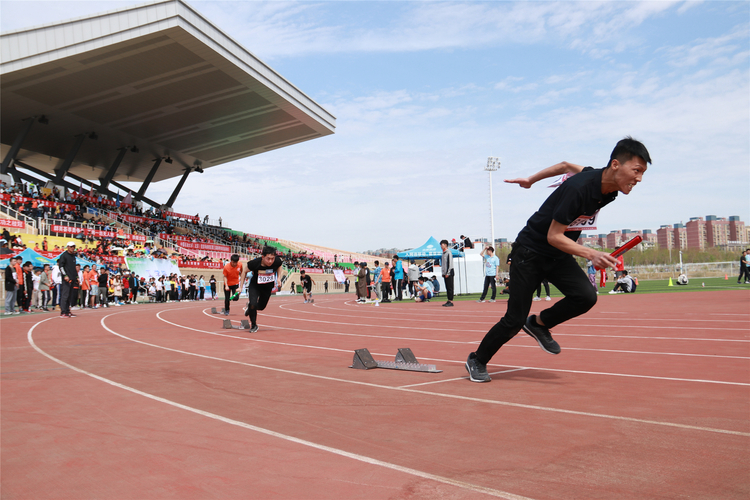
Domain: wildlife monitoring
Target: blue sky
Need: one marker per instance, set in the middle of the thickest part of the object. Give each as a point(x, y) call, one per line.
point(424, 92)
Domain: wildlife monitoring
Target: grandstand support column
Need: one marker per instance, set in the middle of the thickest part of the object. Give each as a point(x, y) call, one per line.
point(13, 151)
point(60, 172)
point(147, 180)
point(176, 191)
point(104, 181)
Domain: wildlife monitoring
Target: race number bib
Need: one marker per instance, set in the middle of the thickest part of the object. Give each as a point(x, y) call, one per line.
point(265, 277)
point(584, 223)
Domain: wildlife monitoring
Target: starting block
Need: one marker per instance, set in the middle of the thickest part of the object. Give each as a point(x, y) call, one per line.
point(405, 360)
point(244, 325)
point(214, 311)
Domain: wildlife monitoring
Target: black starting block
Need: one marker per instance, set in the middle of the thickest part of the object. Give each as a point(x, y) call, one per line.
point(405, 360)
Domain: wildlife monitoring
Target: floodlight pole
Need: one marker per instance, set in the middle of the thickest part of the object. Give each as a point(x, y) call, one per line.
point(493, 163)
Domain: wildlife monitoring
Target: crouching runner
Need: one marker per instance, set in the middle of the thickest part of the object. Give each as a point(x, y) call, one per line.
point(266, 275)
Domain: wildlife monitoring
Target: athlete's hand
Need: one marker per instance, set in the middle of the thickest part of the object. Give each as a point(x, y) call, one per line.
point(524, 182)
point(603, 260)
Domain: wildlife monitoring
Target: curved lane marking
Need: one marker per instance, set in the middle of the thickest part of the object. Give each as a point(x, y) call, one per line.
point(268, 432)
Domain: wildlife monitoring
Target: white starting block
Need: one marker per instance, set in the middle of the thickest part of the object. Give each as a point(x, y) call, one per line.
point(405, 360)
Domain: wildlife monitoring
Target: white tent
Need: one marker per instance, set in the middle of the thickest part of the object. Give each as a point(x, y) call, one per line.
point(469, 272)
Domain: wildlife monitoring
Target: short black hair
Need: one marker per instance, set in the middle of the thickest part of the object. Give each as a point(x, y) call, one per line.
point(235, 257)
point(626, 149)
point(444, 241)
point(267, 250)
point(302, 271)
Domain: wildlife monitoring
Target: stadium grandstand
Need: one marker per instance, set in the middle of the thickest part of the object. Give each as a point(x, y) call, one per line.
point(140, 94)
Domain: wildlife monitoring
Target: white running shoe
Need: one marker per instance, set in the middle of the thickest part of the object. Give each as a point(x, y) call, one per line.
point(548, 298)
point(537, 299)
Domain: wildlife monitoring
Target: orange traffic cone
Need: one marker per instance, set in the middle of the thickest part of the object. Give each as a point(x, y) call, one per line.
point(726, 277)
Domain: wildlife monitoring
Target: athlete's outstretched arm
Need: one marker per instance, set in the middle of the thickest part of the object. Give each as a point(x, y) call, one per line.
point(280, 273)
point(242, 277)
point(553, 171)
point(556, 237)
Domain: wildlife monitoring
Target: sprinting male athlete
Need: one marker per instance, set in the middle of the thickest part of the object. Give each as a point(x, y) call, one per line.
point(266, 274)
point(307, 282)
point(546, 247)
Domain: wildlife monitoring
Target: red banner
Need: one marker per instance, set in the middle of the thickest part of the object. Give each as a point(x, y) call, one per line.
point(17, 224)
point(179, 216)
point(177, 237)
point(206, 247)
point(315, 270)
point(200, 265)
point(258, 237)
point(114, 259)
point(134, 218)
point(56, 228)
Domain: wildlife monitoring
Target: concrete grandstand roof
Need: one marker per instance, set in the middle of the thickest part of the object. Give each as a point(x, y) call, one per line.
point(157, 76)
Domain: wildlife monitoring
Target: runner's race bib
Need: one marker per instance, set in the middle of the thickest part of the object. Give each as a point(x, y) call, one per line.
point(584, 223)
point(266, 276)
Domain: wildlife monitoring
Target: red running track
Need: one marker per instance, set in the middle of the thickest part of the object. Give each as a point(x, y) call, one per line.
point(648, 399)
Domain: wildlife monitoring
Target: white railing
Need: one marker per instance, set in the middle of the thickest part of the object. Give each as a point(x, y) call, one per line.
point(28, 221)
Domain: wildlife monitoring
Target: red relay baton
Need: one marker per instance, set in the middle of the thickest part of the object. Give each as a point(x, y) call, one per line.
point(627, 246)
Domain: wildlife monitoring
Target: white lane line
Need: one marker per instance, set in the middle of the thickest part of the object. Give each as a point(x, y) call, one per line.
point(305, 319)
point(361, 458)
point(411, 313)
point(653, 377)
point(455, 379)
point(428, 393)
point(462, 321)
point(462, 342)
point(432, 393)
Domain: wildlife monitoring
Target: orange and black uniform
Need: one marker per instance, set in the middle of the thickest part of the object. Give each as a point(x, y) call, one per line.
point(231, 280)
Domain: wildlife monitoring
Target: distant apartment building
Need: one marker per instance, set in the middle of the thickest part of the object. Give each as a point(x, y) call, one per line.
point(650, 239)
point(717, 231)
point(737, 230)
point(680, 236)
point(665, 236)
point(696, 233)
point(613, 239)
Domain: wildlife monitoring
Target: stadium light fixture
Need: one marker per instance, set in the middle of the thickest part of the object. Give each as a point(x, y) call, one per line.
point(493, 164)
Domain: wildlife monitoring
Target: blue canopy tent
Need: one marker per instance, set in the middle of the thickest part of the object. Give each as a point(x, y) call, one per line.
point(430, 250)
point(28, 255)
